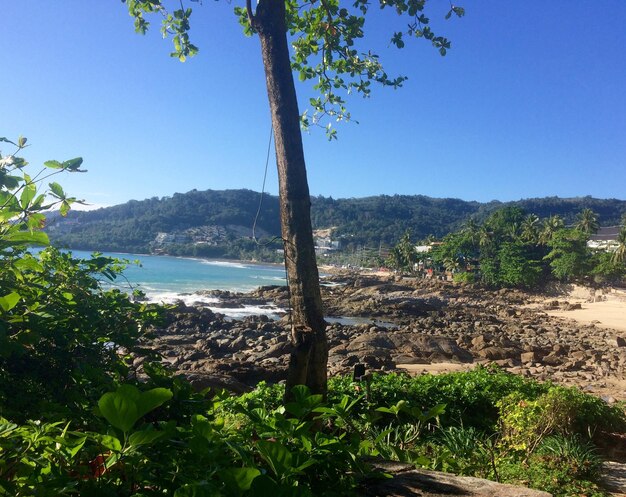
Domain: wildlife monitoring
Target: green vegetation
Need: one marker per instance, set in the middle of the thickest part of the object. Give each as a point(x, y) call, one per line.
point(138, 443)
point(515, 249)
point(360, 223)
point(75, 419)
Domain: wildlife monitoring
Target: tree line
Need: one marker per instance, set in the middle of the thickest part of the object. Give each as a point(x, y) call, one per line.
point(360, 222)
point(513, 248)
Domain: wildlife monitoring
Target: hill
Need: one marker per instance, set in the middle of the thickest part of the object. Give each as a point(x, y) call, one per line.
point(219, 223)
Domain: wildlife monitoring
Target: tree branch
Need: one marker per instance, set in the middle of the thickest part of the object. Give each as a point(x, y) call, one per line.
point(251, 17)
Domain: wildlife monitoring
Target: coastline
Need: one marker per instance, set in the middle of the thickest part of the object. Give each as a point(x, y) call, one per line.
point(403, 325)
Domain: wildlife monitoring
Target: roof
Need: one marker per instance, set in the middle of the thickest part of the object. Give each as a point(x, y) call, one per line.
point(606, 233)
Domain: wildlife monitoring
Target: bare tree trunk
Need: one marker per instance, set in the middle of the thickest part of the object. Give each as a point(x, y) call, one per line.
point(309, 359)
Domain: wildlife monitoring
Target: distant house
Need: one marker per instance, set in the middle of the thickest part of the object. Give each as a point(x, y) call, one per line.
point(325, 245)
point(605, 238)
point(420, 249)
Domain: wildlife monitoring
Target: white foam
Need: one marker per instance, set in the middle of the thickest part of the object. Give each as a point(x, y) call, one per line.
point(237, 265)
point(270, 311)
point(239, 313)
point(188, 299)
point(268, 278)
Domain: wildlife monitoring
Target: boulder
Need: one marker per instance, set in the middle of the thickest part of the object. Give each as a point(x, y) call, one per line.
point(407, 481)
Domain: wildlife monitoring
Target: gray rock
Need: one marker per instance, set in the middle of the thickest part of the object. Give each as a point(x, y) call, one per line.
point(408, 481)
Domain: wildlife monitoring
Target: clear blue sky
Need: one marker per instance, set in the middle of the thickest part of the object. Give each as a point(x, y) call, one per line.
point(530, 101)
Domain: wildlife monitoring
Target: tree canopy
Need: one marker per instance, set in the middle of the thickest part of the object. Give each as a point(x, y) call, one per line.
point(327, 42)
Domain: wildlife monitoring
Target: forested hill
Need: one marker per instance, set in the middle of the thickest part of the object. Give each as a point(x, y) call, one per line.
point(211, 221)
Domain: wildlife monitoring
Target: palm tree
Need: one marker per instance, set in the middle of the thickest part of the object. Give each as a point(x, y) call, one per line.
point(587, 221)
point(452, 264)
point(513, 231)
point(486, 237)
point(619, 256)
point(471, 228)
point(549, 227)
point(530, 228)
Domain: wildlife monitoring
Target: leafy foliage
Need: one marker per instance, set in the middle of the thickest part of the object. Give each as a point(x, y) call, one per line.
point(61, 333)
point(517, 250)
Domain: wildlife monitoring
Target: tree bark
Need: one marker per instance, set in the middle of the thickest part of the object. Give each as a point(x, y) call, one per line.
point(309, 358)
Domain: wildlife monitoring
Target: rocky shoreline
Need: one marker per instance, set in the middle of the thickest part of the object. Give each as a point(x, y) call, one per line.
point(411, 323)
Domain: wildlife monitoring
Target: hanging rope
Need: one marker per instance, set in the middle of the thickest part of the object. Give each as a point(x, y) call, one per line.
point(267, 161)
point(256, 218)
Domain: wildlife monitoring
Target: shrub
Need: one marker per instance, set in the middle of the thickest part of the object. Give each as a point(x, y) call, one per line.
point(464, 277)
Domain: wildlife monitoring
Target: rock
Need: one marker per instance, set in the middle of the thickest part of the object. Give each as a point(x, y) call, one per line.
point(481, 341)
point(496, 353)
point(571, 307)
point(371, 340)
point(439, 349)
point(274, 351)
point(529, 357)
point(617, 342)
point(239, 356)
point(408, 481)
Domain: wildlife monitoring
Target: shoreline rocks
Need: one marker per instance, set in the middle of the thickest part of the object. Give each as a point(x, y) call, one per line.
point(429, 322)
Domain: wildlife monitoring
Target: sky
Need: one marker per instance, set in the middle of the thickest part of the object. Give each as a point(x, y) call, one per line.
point(529, 102)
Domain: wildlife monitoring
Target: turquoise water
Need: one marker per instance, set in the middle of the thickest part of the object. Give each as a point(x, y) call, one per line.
point(165, 278)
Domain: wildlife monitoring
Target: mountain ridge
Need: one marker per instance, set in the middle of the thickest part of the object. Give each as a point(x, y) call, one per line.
point(218, 223)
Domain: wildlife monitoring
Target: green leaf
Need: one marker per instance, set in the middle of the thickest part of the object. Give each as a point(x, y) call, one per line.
point(57, 190)
point(11, 182)
point(36, 221)
point(28, 193)
point(239, 479)
point(79, 445)
point(124, 407)
point(73, 164)
point(28, 238)
point(144, 437)
point(5, 426)
point(435, 411)
point(119, 410)
point(109, 442)
point(28, 263)
point(150, 400)
point(9, 301)
point(277, 456)
point(65, 208)
point(53, 164)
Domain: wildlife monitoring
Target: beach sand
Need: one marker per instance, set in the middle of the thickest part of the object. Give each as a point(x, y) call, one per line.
point(608, 313)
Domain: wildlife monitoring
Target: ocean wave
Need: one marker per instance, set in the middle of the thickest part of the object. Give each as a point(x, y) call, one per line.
point(188, 299)
point(237, 265)
point(267, 278)
point(272, 312)
point(239, 313)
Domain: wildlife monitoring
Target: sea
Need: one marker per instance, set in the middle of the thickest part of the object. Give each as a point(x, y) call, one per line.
point(169, 279)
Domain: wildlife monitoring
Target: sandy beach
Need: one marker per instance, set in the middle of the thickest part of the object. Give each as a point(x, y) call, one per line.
point(610, 312)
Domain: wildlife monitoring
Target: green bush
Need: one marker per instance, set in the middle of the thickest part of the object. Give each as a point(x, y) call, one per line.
point(525, 422)
point(464, 277)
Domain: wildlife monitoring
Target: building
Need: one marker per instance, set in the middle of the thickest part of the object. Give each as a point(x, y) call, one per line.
point(605, 238)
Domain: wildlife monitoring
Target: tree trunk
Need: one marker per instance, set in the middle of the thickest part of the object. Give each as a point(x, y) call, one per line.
point(309, 358)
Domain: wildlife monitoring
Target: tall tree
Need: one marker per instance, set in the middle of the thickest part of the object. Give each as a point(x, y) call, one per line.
point(530, 228)
point(549, 227)
point(587, 221)
point(619, 256)
point(323, 36)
